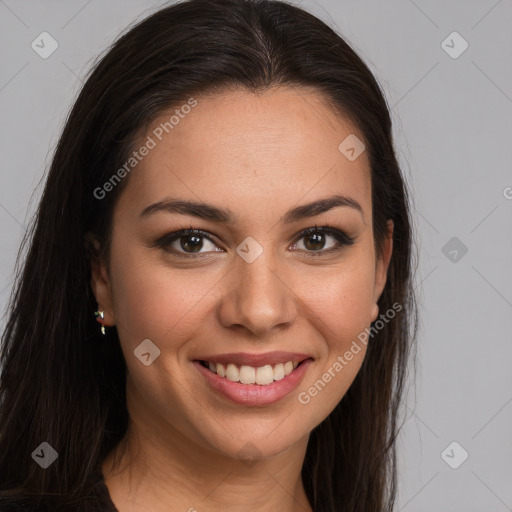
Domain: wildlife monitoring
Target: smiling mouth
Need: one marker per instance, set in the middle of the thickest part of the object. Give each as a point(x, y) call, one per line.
point(262, 375)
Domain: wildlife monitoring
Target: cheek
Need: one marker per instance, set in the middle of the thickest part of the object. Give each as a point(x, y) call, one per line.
point(153, 301)
point(339, 307)
point(159, 309)
point(341, 302)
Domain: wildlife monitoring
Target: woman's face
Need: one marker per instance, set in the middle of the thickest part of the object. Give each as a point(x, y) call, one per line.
point(257, 286)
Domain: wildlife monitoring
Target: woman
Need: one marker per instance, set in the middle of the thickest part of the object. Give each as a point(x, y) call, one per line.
point(215, 311)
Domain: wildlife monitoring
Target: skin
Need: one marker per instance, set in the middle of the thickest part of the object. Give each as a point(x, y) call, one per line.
point(259, 156)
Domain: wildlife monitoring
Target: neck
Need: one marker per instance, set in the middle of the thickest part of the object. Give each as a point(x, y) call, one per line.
point(155, 467)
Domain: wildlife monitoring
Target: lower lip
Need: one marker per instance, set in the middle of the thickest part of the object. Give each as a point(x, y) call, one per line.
point(254, 394)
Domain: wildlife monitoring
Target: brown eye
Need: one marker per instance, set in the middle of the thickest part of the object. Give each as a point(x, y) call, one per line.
point(187, 242)
point(191, 243)
point(315, 239)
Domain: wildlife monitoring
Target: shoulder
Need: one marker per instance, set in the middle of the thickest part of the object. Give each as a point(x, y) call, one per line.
point(97, 500)
point(88, 505)
point(95, 497)
point(11, 506)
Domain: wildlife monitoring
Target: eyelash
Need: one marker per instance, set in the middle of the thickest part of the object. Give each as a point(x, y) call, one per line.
point(342, 240)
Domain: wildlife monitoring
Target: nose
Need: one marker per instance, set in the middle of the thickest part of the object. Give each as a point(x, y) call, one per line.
point(258, 296)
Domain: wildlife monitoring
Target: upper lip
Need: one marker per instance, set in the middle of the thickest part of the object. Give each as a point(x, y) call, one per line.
point(256, 360)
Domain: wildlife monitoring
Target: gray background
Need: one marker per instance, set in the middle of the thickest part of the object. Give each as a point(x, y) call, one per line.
point(453, 127)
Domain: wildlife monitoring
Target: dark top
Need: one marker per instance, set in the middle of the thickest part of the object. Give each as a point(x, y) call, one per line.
point(97, 500)
point(103, 496)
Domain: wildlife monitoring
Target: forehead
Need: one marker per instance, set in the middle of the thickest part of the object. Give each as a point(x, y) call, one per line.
point(240, 147)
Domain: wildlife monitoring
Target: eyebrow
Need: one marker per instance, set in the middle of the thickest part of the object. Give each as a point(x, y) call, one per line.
point(226, 216)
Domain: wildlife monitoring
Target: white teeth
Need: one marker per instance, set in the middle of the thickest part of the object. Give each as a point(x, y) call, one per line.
point(232, 373)
point(247, 375)
point(221, 370)
point(262, 375)
point(279, 371)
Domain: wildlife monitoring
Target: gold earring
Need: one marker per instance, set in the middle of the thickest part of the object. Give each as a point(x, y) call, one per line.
point(100, 315)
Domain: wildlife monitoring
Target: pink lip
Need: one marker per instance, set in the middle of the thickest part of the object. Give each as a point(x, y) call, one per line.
point(255, 360)
point(255, 394)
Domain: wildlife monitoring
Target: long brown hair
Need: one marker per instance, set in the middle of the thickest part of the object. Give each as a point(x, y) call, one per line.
point(61, 383)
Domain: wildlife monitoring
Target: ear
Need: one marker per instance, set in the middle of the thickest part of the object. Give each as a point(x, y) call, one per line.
point(381, 267)
point(100, 280)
